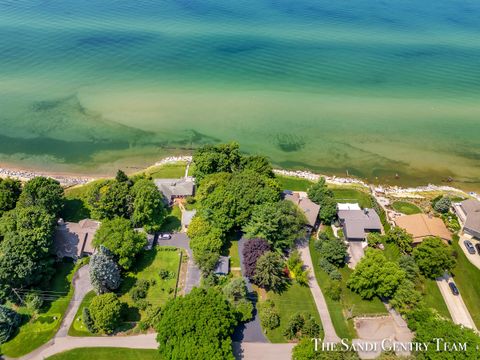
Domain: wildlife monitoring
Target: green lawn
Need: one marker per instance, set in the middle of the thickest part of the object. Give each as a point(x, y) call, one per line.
point(349, 306)
point(296, 299)
point(352, 195)
point(167, 171)
point(467, 278)
point(433, 298)
point(107, 354)
point(78, 328)
point(74, 208)
point(173, 221)
point(406, 207)
point(233, 253)
point(293, 183)
point(36, 332)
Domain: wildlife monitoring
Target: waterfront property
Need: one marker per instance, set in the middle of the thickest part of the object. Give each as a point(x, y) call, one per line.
point(175, 188)
point(468, 212)
point(421, 226)
point(357, 222)
point(75, 240)
point(308, 207)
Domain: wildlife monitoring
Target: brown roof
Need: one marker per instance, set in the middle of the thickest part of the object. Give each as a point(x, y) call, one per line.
point(422, 226)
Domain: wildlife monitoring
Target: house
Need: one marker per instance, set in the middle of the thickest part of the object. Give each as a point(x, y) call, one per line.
point(187, 216)
point(175, 188)
point(422, 226)
point(308, 207)
point(223, 266)
point(468, 212)
point(357, 223)
point(75, 240)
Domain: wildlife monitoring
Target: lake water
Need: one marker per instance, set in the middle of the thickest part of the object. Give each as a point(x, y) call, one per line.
point(375, 88)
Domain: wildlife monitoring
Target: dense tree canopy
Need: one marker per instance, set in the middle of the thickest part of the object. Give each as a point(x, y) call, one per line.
point(252, 250)
point(211, 159)
point(10, 190)
point(269, 273)
point(197, 326)
point(401, 238)
point(43, 192)
point(279, 223)
point(406, 297)
point(375, 276)
point(305, 350)
point(25, 252)
point(433, 257)
point(332, 249)
point(9, 321)
point(121, 239)
point(408, 264)
point(105, 312)
point(236, 292)
point(320, 194)
point(148, 206)
point(104, 271)
point(258, 164)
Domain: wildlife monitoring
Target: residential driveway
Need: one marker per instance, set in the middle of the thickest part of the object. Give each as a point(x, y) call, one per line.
point(455, 304)
point(251, 331)
point(262, 351)
point(473, 258)
point(355, 253)
point(181, 240)
point(330, 333)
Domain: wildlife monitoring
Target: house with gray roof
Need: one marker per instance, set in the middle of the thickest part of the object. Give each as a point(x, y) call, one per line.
point(357, 224)
point(175, 188)
point(468, 212)
point(223, 266)
point(75, 240)
point(308, 207)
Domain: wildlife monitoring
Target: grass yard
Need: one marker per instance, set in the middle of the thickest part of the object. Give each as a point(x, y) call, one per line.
point(467, 278)
point(78, 328)
point(167, 171)
point(37, 331)
point(293, 183)
point(352, 195)
point(296, 299)
point(74, 208)
point(173, 221)
point(433, 298)
point(233, 253)
point(107, 354)
point(350, 304)
point(406, 207)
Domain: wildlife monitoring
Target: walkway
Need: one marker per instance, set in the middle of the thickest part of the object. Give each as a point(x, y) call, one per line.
point(329, 330)
point(181, 240)
point(457, 308)
point(251, 331)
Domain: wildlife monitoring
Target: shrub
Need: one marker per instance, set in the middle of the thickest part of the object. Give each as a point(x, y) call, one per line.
point(443, 205)
point(152, 317)
point(104, 272)
point(335, 275)
point(141, 304)
point(300, 325)
point(326, 265)
point(34, 301)
point(105, 311)
point(9, 322)
point(252, 250)
point(165, 274)
point(87, 320)
point(244, 309)
point(269, 317)
point(334, 289)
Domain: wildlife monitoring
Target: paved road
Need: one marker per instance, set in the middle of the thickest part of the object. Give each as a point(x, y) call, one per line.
point(251, 331)
point(330, 333)
point(262, 351)
point(457, 308)
point(181, 240)
point(473, 258)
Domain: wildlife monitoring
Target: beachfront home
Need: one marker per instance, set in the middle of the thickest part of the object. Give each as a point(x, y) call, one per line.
point(308, 207)
point(468, 212)
point(187, 216)
point(75, 240)
point(175, 188)
point(357, 222)
point(421, 226)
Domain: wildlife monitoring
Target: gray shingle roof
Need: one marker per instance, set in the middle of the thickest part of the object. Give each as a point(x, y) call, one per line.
point(223, 265)
point(471, 208)
point(171, 188)
point(309, 208)
point(357, 222)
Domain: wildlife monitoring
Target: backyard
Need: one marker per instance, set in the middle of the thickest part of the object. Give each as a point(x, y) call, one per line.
point(406, 207)
point(38, 329)
point(173, 221)
point(352, 195)
point(167, 171)
point(107, 354)
point(293, 183)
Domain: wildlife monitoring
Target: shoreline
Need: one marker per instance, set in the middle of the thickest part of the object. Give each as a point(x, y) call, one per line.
point(66, 179)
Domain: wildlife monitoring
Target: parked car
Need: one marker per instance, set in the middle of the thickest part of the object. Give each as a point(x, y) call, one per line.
point(165, 236)
point(454, 288)
point(468, 244)
point(477, 246)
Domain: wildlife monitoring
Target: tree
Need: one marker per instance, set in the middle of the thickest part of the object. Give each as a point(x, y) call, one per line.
point(328, 210)
point(433, 257)
point(449, 333)
point(121, 176)
point(295, 268)
point(401, 238)
point(408, 264)
point(279, 223)
point(252, 250)
point(148, 206)
point(44, 192)
point(269, 316)
point(334, 250)
point(10, 190)
point(406, 297)
point(235, 290)
point(115, 200)
point(104, 272)
point(269, 273)
point(211, 159)
point(105, 312)
point(197, 326)
point(375, 276)
point(9, 322)
point(34, 301)
point(319, 191)
point(121, 239)
point(25, 252)
point(301, 325)
point(443, 205)
point(258, 164)
point(374, 239)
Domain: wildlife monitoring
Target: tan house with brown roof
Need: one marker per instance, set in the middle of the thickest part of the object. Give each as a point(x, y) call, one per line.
point(421, 226)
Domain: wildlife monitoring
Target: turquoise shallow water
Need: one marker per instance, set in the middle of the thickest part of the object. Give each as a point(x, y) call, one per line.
point(377, 88)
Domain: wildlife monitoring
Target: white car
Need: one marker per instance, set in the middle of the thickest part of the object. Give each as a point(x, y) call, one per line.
point(165, 236)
